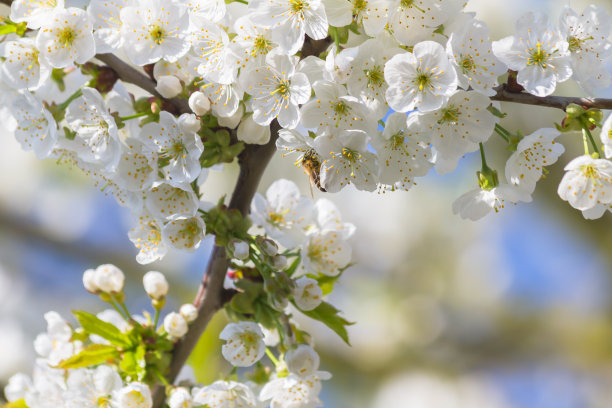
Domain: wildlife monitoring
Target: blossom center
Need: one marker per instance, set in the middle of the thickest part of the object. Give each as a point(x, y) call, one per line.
point(298, 6)
point(410, 4)
point(359, 6)
point(350, 154)
point(450, 115)
point(66, 36)
point(467, 64)
point(249, 339)
point(538, 56)
point(261, 45)
point(422, 80)
point(340, 108)
point(157, 34)
point(282, 88)
point(375, 76)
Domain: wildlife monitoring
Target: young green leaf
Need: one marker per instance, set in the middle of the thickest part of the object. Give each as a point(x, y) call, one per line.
point(92, 325)
point(90, 356)
point(328, 315)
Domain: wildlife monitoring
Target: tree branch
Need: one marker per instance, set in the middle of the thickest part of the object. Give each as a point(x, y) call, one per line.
point(559, 102)
point(129, 74)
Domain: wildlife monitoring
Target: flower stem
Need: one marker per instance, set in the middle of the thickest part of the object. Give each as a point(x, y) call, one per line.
point(502, 132)
point(483, 158)
point(585, 130)
point(71, 98)
point(272, 357)
point(156, 319)
point(134, 116)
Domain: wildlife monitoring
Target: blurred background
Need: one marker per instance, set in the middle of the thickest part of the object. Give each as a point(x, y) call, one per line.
point(511, 311)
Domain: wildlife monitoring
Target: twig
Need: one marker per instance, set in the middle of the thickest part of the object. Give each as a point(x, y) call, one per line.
point(127, 73)
point(559, 102)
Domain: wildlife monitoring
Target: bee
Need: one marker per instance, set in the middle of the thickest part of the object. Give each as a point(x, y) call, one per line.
point(312, 166)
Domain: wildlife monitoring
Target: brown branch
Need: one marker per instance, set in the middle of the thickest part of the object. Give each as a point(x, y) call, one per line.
point(129, 74)
point(253, 161)
point(559, 102)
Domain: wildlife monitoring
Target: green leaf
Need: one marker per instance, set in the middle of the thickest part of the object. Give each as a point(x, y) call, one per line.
point(128, 365)
point(141, 362)
point(92, 325)
point(92, 355)
point(328, 315)
point(293, 267)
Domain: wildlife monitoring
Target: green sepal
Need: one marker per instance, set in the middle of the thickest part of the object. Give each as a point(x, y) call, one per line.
point(218, 147)
point(328, 315)
point(496, 112)
point(93, 325)
point(244, 302)
point(90, 356)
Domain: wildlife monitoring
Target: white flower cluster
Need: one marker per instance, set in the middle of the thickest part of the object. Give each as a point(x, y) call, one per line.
point(246, 65)
point(83, 387)
point(296, 222)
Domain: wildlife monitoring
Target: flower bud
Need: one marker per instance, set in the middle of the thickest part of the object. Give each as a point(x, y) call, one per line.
point(175, 325)
point(89, 281)
point(252, 133)
point(189, 122)
point(199, 103)
point(180, 398)
point(109, 279)
point(232, 121)
point(168, 86)
point(189, 312)
point(155, 284)
point(267, 245)
point(302, 361)
point(279, 262)
point(240, 249)
point(307, 294)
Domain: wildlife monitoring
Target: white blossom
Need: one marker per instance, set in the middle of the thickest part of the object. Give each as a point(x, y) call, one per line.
point(423, 79)
point(293, 391)
point(403, 152)
point(212, 46)
point(168, 86)
point(199, 103)
point(477, 203)
point(180, 398)
point(373, 14)
point(109, 279)
point(155, 284)
point(97, 138)
point(289, 20)
point(534, 152)
point(416, 20)
point(346, 160)
point(34, 13)
point(587, 182)
point(133, 395)
point(179, 147)
point(154, 29)
point(276, 90)
point(538, 52)
point(333, 109)
point(472, 56)
point(244, 343)
point(184, 233)
point(147, 238)
point(66, 37)
point(307, 294)
point(587, 35)
point(251, 132)
point(105, 16)
point(24, 68)
point(325, 253)
point(284, 213)
point(225, 394)
point(606, 136)
point(175, 325)
point(460, 125)
point(36, 129)
point(189, 312)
